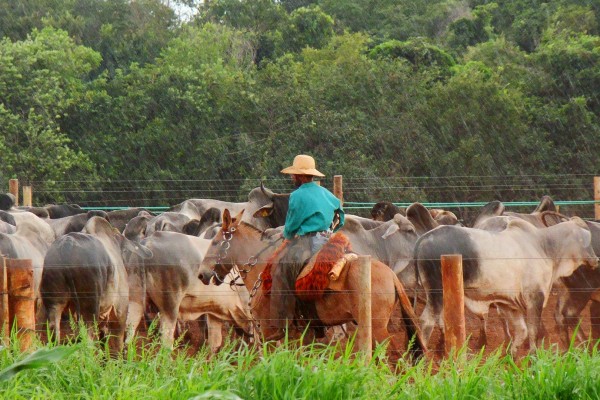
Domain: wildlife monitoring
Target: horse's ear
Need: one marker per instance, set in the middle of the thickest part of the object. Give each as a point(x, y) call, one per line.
point(238, 218)
point(226, 220)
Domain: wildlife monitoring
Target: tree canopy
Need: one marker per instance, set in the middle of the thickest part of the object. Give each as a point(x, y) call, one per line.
point(120, 97)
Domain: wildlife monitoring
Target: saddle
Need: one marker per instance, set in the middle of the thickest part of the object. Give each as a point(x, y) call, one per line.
point(320, 272)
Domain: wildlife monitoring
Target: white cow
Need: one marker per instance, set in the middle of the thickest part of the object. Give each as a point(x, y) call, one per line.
point(30, 240)
point(513, 269)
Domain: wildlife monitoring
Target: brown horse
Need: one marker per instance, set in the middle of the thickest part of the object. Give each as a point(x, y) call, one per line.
point(239, 244)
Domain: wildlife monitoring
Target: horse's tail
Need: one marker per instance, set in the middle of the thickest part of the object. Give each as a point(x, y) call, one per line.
point(417, 346)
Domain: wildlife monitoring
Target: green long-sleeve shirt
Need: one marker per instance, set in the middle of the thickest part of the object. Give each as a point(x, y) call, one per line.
point(311, 209)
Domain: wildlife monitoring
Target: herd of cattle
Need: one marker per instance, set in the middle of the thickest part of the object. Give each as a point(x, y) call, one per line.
point(110, 266)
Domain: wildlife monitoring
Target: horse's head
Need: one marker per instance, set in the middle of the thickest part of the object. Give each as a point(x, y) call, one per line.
point(220, 258)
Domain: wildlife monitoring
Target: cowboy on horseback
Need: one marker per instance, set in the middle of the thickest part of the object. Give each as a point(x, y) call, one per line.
point(308, 226)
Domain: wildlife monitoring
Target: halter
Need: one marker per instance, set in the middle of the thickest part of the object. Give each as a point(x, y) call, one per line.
point(225, 245)
point(247, 267)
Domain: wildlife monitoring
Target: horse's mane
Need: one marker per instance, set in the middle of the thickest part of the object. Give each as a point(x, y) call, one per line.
point(252, 227)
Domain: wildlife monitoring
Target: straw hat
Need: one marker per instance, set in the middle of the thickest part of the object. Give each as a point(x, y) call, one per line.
point(303, 165)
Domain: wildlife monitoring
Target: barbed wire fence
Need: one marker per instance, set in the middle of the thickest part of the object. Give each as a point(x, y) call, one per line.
point(461, 194)
point(574, 193)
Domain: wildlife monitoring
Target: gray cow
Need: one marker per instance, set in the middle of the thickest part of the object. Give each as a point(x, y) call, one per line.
point(86, 270)
point(170, 281)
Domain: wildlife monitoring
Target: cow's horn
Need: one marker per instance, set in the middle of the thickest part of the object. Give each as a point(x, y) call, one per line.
point(267, 192)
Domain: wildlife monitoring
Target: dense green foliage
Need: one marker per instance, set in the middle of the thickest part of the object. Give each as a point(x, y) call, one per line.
point(121, 101)
point(292, 372)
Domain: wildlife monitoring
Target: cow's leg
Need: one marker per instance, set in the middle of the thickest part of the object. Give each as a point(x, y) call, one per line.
point(519, 329)
point(567, 314)
point(168, 322)
point(339, 333)
point(431, 315)
point(134, 317)
point(482, 341)
point(215, 335)
point(535, 304)
point(168, 303)
point(54, 316)
point(595, 320)
point(514, 326)
point(89, 307)
point(241, 317)
point(117, 324)
point(481, 310)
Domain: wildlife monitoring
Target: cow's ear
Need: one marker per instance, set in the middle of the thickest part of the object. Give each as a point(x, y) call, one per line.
point(550, 218)
point(492, 209)
point(238, 218)
point(404, 224)
point(391, 230)
point(546, 204)
point(226, 220)
point(264, 211)
point(191, 227)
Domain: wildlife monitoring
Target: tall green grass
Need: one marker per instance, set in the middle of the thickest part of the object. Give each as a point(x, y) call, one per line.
point(297, 372)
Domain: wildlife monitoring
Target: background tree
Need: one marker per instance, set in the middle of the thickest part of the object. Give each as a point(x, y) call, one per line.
point(41, 77)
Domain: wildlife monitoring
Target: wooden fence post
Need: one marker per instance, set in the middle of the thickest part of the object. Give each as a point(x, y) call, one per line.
point(454, 302)
point(365, 329)
point(338, 187)
point(13, 188)
point(27, 196)
point(21, 300)
point(597, 197)
point(4, 320)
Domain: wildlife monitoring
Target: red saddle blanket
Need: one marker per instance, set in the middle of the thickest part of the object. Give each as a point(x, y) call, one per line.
point(311, 286)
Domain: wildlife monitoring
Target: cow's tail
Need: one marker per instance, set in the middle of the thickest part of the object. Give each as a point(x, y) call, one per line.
point(69, 246)
point(417, 275)
point(75, 297)
point(417, 346)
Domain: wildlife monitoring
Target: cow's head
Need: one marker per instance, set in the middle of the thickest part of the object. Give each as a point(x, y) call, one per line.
point(135, 229)
point(98, 226)
point(399, 241)
point(196, 227)
point(7, 201)
point(271, 208)
point(385, 211)
point(221, 255)
point(444, 217)
point(589, 257)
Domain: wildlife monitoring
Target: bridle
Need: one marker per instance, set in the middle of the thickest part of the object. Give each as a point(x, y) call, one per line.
point(225, 245)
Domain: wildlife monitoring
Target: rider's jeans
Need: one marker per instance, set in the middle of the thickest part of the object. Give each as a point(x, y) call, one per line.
point(317, 241)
